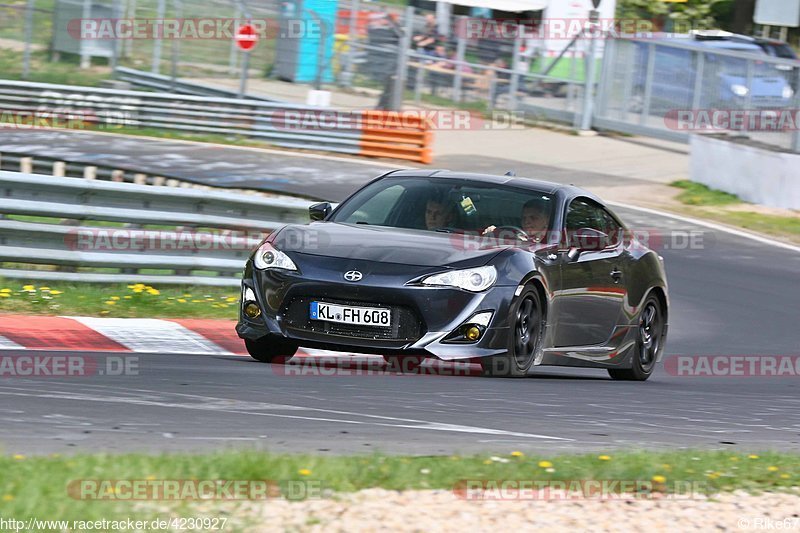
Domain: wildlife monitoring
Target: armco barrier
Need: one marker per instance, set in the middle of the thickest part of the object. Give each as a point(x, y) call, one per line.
point(77, 205)
point(361, 133)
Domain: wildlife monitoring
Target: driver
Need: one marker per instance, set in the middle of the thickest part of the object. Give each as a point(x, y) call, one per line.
point(438, 214)
point(534, 220)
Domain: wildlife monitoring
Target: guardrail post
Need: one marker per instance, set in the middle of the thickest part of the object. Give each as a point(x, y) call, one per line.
point(140, 179)
point(90, 173)
point(158, 181)
point(117, 175)
point(461, 48)
point(26, 165)
point(59, 169)
point(404, 46)
point(513, 84)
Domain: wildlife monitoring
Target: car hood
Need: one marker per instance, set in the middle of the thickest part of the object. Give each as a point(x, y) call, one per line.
point(387, 245)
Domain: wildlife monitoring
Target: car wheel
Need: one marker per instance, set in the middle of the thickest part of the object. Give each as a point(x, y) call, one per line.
point(271, 349)
point(404, 364)
point(649, 336)
point(527, 321)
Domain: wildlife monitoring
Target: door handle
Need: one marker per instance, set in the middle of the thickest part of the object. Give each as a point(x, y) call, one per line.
point(616, 275)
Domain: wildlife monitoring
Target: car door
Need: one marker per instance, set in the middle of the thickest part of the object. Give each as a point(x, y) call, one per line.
point(592, 292)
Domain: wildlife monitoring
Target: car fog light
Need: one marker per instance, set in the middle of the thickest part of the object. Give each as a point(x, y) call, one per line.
point(473, 333)
point(251, 310)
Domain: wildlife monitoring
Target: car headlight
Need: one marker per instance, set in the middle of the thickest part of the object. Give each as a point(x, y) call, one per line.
point(470, 279)
point(739, 90)
point(267, 256)
point(787, 92)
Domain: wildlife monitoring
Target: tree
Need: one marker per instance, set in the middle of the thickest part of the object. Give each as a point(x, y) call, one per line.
point(680, 17)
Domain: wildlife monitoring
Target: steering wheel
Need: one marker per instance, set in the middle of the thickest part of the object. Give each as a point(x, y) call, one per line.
point(519, 233)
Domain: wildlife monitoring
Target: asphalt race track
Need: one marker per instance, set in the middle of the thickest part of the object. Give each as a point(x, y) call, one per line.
point(732, 296)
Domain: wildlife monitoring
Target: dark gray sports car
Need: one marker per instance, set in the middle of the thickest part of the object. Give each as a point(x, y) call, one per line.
point(417, 263)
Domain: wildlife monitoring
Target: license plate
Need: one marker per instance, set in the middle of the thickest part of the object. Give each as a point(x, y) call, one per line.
point(347, 314)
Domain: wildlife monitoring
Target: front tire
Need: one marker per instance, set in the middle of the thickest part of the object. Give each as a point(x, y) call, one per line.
point(271, 349)
point(527, 318)
point(649, 343)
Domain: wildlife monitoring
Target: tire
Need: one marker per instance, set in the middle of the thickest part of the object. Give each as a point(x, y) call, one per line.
point(649, 343)
point(403, 364)
point(271, 349)
point(527, 317)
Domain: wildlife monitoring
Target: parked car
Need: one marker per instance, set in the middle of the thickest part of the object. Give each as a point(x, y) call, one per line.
point(724, 83)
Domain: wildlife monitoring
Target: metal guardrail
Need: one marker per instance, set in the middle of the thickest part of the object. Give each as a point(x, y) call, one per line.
point(361, 132)
point(160, 82)
point(100, 225)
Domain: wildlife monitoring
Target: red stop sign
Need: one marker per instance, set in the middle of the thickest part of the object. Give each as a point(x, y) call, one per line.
point(246, 37)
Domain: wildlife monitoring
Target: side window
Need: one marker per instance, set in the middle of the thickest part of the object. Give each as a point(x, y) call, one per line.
point(584, 214)
point(611, 228)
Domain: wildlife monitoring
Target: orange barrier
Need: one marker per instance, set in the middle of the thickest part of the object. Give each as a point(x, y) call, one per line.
point(396, 135)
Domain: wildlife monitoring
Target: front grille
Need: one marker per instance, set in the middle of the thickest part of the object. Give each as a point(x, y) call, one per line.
point(405, 324)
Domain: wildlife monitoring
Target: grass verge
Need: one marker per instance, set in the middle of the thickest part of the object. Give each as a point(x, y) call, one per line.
point(124, 301)
point(38, 486)
point(711, 204)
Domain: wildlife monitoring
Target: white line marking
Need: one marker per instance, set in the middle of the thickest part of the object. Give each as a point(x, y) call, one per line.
point(210, 403)
point(8, 344)
point(712, 225)
point(150, 335)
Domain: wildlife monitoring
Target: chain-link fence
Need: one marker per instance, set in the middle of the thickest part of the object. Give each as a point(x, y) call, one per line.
point(671, 89)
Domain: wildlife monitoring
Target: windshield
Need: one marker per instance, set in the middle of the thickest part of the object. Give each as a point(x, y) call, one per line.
point(448, 205)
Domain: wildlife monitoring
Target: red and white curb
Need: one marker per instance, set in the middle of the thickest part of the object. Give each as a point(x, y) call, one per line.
point(137, 335)
point(140, 335)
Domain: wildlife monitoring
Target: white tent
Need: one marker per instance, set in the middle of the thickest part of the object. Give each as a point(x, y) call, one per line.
point(502, 5)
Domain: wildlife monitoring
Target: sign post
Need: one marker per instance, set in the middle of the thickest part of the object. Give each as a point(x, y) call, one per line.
point(246, 39)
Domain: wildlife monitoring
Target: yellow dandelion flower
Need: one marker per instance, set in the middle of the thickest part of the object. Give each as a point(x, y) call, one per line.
point(18, 456)
point(110, 302)
point(182, 300)
point(785, 476)
point(128, 297)
point(231, 299)
point(5, 290)
point(4, 295)
point(517, 454)
point(44, 288)
point(55, 292)
point(545, 464)
point(752, 456)
point(28, 288)
point(154, 292)
point(487, 462)
point(773, 468)
point(115, 298)
point(304, 472)
point(7, 497)
point(604, 457)
point(659, 479)
point(137, 290)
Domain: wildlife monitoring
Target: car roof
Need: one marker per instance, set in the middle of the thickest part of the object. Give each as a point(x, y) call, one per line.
point(561, 189)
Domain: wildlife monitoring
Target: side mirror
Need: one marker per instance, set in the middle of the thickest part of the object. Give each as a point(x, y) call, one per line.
point(319, 211)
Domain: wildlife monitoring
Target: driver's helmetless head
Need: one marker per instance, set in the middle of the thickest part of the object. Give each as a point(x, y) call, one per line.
point(535, 218)
point(437, 215)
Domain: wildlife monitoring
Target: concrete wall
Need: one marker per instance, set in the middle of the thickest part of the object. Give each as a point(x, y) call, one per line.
point(753, 174)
